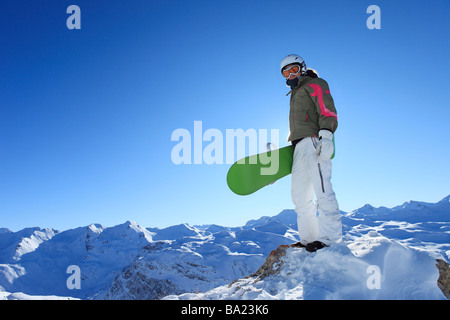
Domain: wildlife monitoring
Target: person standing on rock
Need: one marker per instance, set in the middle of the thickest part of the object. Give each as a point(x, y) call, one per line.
point(312, 123)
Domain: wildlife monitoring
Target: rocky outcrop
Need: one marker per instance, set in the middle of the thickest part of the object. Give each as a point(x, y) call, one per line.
point(272, 264)
point(135, 285)
point(444, 277)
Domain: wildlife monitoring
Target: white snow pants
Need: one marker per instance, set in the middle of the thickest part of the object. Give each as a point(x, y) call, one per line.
point(311, 175)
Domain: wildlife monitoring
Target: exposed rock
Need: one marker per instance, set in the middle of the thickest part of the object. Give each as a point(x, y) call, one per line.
point(272, 263)
point(444, 277)
point(139, 286)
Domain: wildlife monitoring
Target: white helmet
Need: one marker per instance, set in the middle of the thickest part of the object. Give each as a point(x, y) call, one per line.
point(293, 58)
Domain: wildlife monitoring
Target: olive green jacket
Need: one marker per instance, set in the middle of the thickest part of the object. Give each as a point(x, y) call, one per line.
point(311, 109)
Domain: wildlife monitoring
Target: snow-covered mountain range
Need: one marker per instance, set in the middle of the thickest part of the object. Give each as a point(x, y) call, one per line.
point(398, 245)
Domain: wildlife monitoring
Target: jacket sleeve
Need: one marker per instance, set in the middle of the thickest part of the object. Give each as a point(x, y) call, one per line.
point(320, 94)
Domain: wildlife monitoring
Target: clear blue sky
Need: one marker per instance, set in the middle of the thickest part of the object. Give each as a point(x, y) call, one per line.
point(86, 116)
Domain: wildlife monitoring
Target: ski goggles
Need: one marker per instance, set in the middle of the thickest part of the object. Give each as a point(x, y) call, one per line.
point(294, 69)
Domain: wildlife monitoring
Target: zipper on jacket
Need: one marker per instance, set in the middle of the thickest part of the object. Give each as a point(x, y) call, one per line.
point(321, 178)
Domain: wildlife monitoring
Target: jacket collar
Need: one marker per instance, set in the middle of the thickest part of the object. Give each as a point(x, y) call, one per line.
point(303, 79)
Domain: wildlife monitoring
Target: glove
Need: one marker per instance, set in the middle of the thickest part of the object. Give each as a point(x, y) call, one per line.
point(325, 148)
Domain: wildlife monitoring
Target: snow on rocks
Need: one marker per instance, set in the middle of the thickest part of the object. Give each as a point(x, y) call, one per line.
point(386, 270)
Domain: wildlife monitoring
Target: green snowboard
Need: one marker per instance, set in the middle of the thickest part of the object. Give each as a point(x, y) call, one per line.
point(254, 172)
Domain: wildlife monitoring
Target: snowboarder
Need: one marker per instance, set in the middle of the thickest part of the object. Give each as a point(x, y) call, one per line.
point(312, 123)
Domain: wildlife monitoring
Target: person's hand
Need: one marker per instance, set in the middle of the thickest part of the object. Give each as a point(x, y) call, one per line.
point(325, 148)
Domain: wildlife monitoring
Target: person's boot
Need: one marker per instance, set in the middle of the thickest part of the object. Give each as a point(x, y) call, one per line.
point(314, 246)
point(298, 245)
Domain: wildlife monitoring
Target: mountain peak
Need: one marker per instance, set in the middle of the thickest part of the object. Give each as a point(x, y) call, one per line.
point(128, 230)
point(176, 232)
point(369, 211)
point(5, 230)
point(445, 199)
point(412, 205)
point(96, 228)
